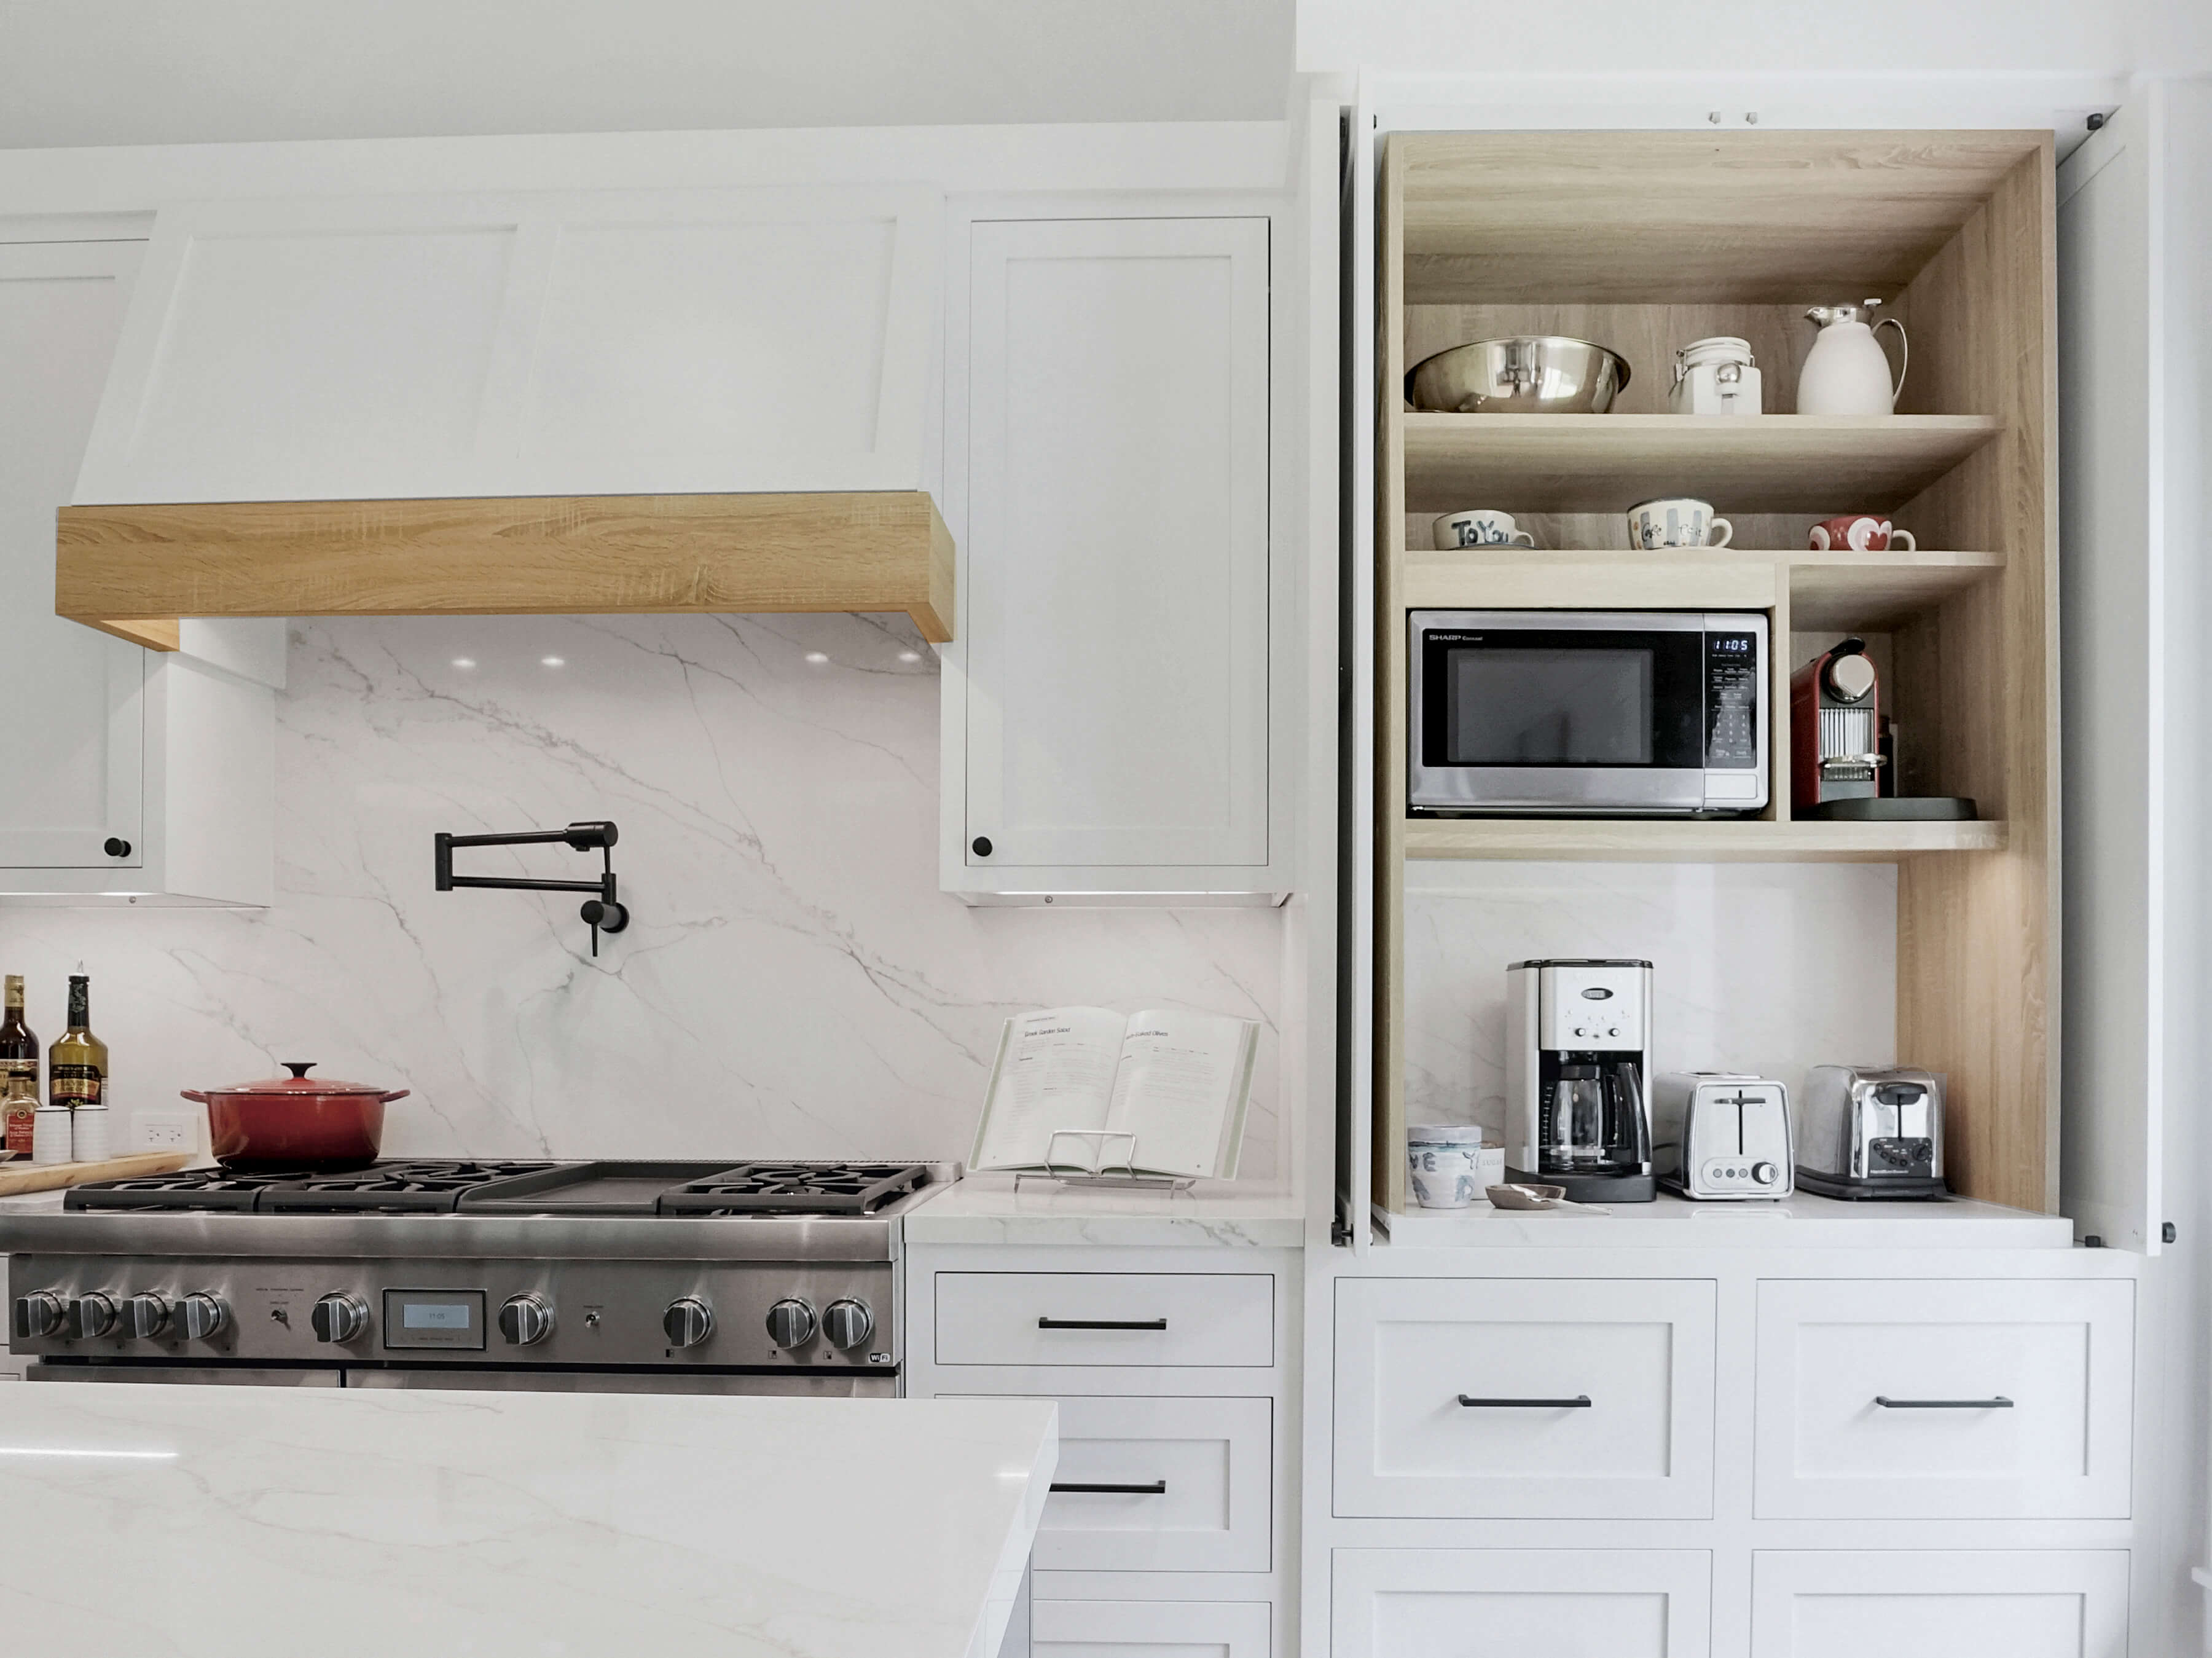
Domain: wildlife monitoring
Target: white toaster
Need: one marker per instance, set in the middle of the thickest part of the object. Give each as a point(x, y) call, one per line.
point(1719, 1134)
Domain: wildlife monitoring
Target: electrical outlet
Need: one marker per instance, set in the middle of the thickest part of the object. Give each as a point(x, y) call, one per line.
point(168, 1131)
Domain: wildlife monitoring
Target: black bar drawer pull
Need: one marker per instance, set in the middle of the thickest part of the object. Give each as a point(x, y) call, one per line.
point(1102, 1324)
point(1579, 1402)
point(1158, 1488)
point(1999, 1403)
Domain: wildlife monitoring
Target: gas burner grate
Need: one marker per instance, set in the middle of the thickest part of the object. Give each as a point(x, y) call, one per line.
point(797, 1189)
point(188, 1189)
point(423, 1186)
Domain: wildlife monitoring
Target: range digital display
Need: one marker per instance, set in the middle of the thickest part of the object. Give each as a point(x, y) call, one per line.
point(434, 1318)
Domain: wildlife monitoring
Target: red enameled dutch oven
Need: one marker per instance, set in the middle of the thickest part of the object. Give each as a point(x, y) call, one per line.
point(297, 1122)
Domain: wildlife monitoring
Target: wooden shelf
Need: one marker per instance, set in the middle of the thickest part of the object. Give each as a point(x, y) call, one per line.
point(131, 570)
point(1870, 592)
point(1741, 463)
point(1677, 839)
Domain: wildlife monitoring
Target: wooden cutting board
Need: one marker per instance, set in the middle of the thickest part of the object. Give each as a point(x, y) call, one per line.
point(16, 1178)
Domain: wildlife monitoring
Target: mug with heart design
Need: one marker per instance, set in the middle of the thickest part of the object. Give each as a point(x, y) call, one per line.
point(1680, 522)
point(1860, 532)
point(1480, 526)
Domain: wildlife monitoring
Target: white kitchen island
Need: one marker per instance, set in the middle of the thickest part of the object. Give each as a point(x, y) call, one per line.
point(241, 1521)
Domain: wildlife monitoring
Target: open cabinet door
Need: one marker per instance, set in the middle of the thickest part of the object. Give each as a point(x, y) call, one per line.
point(2113, 599)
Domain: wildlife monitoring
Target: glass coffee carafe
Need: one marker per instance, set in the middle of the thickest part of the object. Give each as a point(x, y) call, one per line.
point(1596, 1119)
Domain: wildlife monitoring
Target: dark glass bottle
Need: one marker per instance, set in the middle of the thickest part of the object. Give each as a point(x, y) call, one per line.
point(18, 1047)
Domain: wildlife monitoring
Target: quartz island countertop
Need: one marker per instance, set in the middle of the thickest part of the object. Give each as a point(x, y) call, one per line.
point(242, 1521)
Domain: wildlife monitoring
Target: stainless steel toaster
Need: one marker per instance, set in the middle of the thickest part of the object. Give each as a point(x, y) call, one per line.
point(1871, 1132)
point(1722, 1134)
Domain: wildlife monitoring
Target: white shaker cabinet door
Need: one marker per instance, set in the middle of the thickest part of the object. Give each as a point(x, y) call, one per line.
point(72, 739)
point(1115, 582)
point(1936, 1603)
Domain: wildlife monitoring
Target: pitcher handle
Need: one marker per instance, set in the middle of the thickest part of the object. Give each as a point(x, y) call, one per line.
point(1904, 356)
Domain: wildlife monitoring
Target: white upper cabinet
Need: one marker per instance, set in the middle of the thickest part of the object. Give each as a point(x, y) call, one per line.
point(73, 741)
point(603, 343)
point(130, 775)
point(1107, 720)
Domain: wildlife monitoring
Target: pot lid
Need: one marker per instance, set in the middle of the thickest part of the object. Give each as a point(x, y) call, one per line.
point(300, 1083)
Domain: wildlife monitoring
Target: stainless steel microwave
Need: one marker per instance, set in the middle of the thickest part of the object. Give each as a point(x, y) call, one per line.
point(1596, 713)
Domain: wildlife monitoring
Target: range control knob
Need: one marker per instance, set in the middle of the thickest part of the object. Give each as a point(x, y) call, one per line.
point(526, 1319)
point(90, 1317)
point(847, 1324)
point(689, 1321)
point(145, 1315)
point(38, 1313)
point(201, 1317)
point(1765, 1173)
point(791, 1323)
point(339, 1318)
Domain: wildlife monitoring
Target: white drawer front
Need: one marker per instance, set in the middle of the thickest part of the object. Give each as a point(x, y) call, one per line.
point(2030, 1603)
point(1546, 1603)
point(1213, 1458)
point(1522, 1354)
point(1149, 1629)
point(1106, 1318)
point(1943, 1354)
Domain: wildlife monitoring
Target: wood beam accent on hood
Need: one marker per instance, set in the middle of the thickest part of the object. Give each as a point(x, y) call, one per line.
point(133, 570)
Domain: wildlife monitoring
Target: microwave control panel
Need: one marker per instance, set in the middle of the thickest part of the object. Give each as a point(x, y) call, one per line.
point(1732, 668)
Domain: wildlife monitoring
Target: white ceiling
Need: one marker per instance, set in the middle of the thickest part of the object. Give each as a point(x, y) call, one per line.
point(196, 71)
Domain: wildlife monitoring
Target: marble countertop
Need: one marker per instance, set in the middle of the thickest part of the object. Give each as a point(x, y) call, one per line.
point(1794, 1222)
point(241, 1521)
point(987, 1209)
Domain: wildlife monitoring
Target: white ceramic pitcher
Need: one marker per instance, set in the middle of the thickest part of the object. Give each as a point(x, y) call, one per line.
point(1845, 373)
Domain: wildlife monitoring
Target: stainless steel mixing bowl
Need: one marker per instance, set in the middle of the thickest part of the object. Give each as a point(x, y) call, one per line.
point(1528, 374)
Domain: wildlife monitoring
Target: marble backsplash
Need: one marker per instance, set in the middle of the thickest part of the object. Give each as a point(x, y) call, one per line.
point(1762, 968)
point(793, 982)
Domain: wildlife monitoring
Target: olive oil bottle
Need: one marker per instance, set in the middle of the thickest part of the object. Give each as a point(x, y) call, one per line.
point(76, 1064)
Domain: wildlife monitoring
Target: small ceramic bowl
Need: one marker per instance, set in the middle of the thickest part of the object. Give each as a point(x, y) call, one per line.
point(1513, 1195)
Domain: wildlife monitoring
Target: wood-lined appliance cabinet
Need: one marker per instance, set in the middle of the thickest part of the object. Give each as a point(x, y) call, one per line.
point(1646, 241)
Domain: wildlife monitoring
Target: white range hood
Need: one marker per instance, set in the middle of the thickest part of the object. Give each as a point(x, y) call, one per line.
point(588, 402)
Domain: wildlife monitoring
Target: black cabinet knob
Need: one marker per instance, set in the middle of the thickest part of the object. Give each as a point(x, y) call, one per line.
point(116, 847)
point(981, 846)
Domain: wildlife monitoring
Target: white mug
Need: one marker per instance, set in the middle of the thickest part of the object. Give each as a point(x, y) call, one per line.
point(1479, 526)
point(1678, 521)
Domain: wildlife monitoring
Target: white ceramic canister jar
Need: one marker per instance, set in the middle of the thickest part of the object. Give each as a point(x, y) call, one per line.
point(50, 1133)
point(1716, 376)
point(1449, 1167)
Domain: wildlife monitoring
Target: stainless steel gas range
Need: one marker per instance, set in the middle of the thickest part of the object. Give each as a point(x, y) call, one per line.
point(618, 1277)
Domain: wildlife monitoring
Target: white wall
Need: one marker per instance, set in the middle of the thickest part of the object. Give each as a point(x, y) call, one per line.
point(793, 983)
point(1895, 38)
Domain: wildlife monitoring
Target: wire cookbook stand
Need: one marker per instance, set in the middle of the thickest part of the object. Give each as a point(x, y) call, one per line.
point(1098, 1173)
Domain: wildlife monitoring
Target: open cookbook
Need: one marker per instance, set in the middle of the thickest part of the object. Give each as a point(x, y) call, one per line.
point(1085, 1088)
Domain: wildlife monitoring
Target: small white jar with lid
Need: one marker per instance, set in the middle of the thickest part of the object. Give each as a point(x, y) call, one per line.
point(1716, 376)
point(50, 1133)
